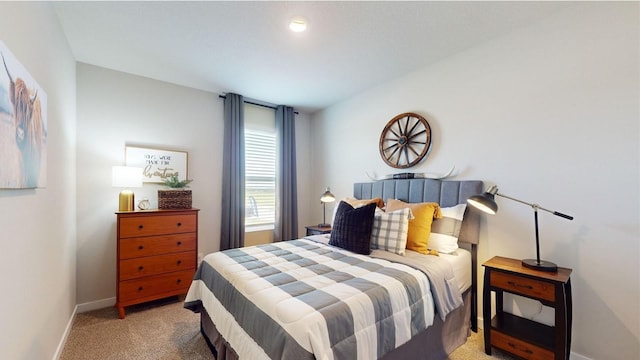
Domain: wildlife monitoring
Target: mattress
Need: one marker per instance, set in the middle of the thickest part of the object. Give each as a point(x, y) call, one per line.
point(460, 261)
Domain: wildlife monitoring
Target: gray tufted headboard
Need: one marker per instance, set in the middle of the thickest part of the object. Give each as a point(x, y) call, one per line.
point(445, 192)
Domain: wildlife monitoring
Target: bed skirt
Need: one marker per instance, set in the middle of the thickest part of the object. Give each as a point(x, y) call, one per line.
point(435, 343)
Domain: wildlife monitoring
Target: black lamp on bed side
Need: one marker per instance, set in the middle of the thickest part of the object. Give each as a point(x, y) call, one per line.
point(486, 203)
point(326, 197)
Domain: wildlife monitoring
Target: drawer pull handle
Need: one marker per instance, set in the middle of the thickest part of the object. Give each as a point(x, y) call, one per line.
point(179, 281)
point(140, 268)
point(513, 283)
point(140, 288)
point(140, 227)
point(140, 247)
point(179, 224)
point(179, 243)
point(179, 262)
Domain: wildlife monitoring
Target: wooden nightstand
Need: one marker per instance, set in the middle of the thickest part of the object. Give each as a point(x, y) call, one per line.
point(519, 336)
point(157, 254)
point(318, 230)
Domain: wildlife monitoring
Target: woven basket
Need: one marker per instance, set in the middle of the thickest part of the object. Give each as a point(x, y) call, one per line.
point(174, 199)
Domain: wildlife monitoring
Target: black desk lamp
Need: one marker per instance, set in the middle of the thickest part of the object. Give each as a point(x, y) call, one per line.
point(486, 203)
point(326, 197)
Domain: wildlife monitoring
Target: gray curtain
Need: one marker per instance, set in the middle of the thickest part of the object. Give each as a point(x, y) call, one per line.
point(286, 225)
point(232, 220)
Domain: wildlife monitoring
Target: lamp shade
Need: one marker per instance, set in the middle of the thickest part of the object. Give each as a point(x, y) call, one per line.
point(327, 196)
point(126, 176)
point(485, 202)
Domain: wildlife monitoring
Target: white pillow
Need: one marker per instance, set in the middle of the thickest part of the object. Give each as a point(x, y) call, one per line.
point(390, 230)
point(445, 231)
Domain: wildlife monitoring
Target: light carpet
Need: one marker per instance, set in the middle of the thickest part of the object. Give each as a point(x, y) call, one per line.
point(165, 330)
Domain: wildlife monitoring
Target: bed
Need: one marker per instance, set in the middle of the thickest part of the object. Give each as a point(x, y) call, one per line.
point(305, 299)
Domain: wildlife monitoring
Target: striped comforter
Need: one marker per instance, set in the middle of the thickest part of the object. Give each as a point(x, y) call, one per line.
point(301, 299)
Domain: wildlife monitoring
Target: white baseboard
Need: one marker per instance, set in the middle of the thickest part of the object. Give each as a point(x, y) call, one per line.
point(95, 305)
point(573, 355)
point(65, 335)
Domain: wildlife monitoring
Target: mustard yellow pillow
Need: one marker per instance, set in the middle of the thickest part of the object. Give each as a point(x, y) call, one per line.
point(420, 226)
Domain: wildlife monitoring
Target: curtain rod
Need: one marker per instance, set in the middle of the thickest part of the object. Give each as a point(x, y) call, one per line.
point(257, 102)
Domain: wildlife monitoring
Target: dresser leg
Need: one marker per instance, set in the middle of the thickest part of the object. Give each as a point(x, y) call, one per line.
point(121, 312)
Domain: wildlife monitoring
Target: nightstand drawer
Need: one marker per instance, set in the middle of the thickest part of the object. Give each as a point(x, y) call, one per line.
point(518, 347)
point(172, 283)
point(156, 245)
point(523, 286)
point(318, 230)
point(137, 226)
point(154, 265)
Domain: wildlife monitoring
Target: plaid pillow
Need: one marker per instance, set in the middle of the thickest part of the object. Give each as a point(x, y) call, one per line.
point(352, 228)
point(390, 230)
point(420, 226)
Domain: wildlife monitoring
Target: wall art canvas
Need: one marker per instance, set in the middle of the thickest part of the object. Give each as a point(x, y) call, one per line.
point(157, 164)
point(23, 126)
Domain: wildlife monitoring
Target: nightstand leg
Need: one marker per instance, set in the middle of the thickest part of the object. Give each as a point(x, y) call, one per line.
point(486, 312)
point(568, 302)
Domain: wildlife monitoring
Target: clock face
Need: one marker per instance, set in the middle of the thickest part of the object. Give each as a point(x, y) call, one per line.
point(405, 140)
point(143, 204)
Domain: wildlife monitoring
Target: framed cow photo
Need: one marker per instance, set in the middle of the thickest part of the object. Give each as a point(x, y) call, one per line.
point(23, 126)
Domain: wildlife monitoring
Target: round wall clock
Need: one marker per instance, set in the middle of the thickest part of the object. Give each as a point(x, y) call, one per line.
point(405, 140)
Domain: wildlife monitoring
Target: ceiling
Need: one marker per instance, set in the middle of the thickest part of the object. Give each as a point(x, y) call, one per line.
point(247, 48)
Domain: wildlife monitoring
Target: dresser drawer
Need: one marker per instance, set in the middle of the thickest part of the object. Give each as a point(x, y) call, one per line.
point(136, 226)
point(156, 245)
point(523, 286)
point(154, 265)
point(518, 347)
point(152, 286)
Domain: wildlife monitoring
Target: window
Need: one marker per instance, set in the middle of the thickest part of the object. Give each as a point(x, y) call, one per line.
point(260, 167)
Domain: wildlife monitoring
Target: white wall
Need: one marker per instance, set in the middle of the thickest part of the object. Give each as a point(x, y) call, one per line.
point(117, 109)
point(38, 242)
point(550, 114)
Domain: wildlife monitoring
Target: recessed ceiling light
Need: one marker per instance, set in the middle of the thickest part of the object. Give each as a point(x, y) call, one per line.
point(298, 24)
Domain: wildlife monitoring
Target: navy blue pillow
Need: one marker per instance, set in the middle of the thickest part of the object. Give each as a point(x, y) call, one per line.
point(352, 228)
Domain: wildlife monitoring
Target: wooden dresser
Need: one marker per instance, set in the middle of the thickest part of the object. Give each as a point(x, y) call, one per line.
point(156, 256)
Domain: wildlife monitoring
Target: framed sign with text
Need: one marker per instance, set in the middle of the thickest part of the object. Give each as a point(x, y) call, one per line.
point(157, 164)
